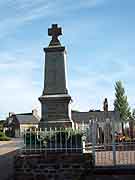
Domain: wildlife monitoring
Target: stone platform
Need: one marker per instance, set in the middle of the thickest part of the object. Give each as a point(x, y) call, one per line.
point(52, 166)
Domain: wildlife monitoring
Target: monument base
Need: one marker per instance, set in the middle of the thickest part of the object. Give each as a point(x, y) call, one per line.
point(56, 124)
point(55, 111)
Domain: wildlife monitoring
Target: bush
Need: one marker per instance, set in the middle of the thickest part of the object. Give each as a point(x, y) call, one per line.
point(3, 137)
point(56, 139)
point(66, 139)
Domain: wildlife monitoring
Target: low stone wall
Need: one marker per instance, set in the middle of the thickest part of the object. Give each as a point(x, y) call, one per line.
point(53, 166)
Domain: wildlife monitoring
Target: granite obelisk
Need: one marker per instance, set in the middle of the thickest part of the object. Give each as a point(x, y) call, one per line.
point(55, 100)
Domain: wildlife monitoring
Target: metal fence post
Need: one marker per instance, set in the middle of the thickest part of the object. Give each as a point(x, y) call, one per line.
point(113, 143)
point(25, 139)
point(30, 140)
point(93, 129)
point(35, 135)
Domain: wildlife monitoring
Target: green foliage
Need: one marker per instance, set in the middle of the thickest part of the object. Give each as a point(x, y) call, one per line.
point(50, 139)
point(1, 125)
point(121, 104)
point(65, 135)
point(3, 137)
point(67, 138)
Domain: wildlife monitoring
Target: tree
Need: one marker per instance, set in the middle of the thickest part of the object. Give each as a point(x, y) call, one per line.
point(121, 104)
point(133, 114)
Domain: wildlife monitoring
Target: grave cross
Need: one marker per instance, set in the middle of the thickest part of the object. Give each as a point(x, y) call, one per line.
point(55, 31)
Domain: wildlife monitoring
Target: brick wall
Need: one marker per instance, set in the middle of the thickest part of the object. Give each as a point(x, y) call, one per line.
point(55, 166)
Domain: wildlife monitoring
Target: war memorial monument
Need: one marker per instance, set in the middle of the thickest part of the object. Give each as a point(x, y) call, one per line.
point(55, 100)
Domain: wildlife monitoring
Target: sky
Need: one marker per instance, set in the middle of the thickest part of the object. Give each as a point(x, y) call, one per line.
point(99, 36)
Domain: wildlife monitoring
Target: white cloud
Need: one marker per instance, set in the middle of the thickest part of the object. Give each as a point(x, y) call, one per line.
point(19, 91)
point(22, 12)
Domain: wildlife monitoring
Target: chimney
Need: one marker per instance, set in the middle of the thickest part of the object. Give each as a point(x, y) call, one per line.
point(11, 113)
point(105, 105)
point(35, 112)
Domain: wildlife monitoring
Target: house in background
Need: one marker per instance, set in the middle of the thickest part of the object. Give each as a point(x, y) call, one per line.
point(104, 120)
point(83, 118)
point(15, 124)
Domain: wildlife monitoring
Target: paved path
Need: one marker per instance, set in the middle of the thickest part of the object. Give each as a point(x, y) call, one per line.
point(7, 152)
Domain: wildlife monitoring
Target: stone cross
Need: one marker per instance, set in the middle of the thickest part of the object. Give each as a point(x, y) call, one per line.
point(55, 31)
